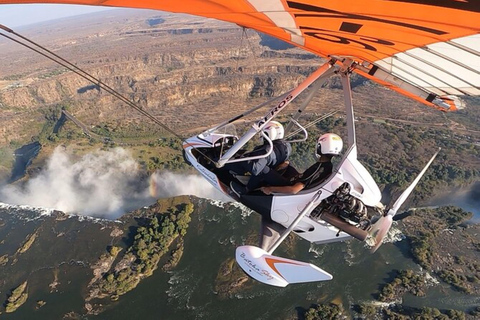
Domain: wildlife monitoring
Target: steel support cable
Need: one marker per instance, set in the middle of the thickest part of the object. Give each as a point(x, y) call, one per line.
point(308, 125)
point(70, 66)
point(244, 114)
point(251, 48)
point(263, 104)
point(235, 70)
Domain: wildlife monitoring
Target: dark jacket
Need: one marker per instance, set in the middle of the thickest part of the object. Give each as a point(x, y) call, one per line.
point(315, 174)
point(281, 152)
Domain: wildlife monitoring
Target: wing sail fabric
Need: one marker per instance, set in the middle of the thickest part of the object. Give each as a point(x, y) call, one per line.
point(428, 44)
point(443, 69)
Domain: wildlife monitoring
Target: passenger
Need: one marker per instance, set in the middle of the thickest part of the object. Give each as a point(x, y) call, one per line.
point(328, 145)
point(263, 170)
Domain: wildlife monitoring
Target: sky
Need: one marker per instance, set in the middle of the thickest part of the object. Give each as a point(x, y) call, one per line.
point(24, 14)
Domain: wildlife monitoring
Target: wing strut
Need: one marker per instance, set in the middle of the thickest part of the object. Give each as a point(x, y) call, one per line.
point(315, 87)
point(382, 76)
point(348, 101)
point(258, 126)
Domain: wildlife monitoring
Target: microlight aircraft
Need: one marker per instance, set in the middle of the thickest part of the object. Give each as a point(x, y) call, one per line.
point(427, 50)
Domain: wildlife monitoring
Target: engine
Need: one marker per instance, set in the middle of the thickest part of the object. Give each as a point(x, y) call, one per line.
point(344, 206)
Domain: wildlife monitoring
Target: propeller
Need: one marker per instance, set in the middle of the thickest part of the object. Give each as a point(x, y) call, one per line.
point(383, 225)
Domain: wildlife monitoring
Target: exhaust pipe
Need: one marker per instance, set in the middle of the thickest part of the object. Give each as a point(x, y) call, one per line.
point(344, 226)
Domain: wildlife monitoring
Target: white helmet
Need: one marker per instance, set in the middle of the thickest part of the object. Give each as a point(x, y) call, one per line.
point(274, 130)
point(329, 143)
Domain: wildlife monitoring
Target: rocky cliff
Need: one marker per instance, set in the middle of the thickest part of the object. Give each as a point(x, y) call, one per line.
point(176, 72)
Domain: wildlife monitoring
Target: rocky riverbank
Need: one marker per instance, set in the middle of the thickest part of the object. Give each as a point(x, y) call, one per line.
point(120, 254)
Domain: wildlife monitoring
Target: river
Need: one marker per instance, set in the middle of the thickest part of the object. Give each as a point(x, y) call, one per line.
point(23, 157)
point(467, 198)
point(188, 291)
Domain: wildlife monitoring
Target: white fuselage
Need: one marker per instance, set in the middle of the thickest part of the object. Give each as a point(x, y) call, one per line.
point(286, 207)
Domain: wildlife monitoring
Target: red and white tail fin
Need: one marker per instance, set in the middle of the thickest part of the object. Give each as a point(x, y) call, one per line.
point(277, 271)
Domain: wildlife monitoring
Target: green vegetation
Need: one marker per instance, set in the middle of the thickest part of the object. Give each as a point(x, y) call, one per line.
point(52, 73)
point(451, 166)
point(6, 157)
point(421, 248)
point(456, 280)
point(17, 298)
point(405, 281)
point(14, 144)
point(398, 312)
point(429, 232)
point(137, 132)
point(114, 251)
point(13, 77)
point(423, 314)
point(175, 256)
point(423, 240)
point(325, 312)
point(152, 152)
point(151, 242)
point(162, 154)
point(452, 216)
point(51, 115)
point(367, 309)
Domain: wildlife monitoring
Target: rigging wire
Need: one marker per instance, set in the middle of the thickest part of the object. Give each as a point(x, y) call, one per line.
point(237, 60)
point(254, 54)
point(82, 73)
point(87, 76)
point(308, 125)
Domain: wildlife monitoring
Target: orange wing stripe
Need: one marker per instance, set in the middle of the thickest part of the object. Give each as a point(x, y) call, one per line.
point(272, 261)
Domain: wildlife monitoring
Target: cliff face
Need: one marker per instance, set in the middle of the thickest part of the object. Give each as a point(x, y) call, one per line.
point(175, 72)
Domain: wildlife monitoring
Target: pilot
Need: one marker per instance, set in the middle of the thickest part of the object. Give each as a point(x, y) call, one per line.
point(328, 146)
point(263, 170)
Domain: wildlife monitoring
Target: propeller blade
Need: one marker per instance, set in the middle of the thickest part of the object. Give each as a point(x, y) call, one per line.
point(410, 188)
point(380, 230)
point(383, 225)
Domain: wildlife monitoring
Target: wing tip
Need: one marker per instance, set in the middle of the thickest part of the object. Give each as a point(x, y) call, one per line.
point(449, 103)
